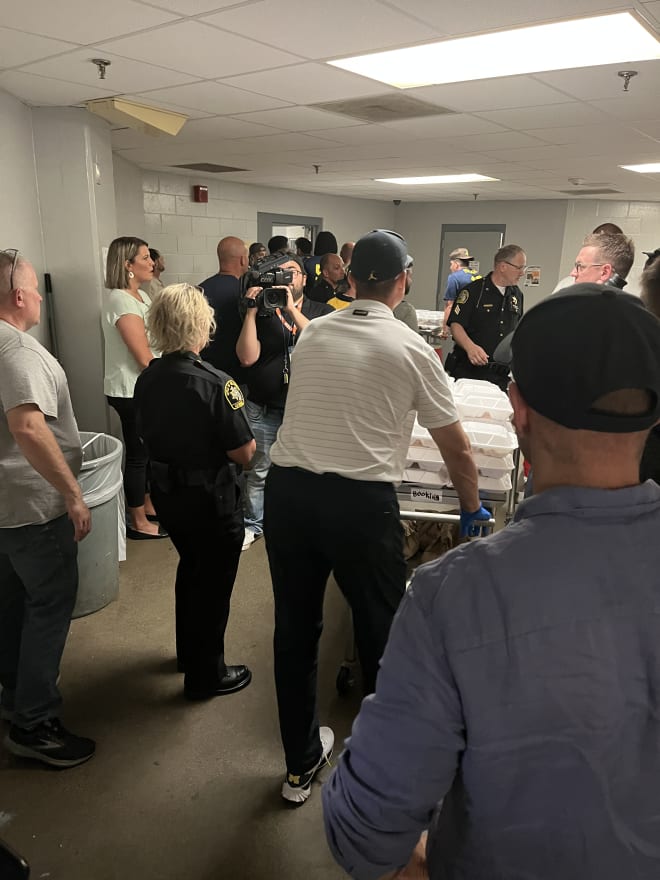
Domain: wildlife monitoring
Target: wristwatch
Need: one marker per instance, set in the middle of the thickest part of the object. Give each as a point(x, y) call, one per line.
point(251, 303)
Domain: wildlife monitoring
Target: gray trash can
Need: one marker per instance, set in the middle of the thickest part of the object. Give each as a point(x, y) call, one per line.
point(100, 479)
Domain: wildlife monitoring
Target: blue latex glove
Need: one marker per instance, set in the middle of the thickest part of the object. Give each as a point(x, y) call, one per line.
point(472, 523)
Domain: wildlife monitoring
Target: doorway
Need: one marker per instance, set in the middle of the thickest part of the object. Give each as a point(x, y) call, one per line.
point(291, 225)
point(482, 240)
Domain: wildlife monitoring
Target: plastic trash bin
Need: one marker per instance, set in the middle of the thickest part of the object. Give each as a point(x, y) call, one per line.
point(100, 479)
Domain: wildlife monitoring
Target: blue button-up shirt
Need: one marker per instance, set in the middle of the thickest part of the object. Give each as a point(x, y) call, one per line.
point(517, 710)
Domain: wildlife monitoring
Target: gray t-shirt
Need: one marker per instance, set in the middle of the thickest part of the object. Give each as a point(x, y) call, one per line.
point(30, 374)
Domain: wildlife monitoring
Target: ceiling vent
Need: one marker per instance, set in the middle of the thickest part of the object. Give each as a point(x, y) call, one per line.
point(384, 108)
point(208, 167)
point(603, 191)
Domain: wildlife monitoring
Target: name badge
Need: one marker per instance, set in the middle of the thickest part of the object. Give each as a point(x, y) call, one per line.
point(361, 313)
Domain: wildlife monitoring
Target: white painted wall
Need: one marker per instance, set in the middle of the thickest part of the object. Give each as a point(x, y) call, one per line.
point(187, 233)
point(538, 227)
point(20, 223)
point(129, 200)
point(79, 219)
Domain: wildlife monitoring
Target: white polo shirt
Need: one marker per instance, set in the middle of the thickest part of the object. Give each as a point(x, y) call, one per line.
point(357, 378)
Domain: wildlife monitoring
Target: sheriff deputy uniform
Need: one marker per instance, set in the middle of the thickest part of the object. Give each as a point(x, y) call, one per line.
point(487, 315)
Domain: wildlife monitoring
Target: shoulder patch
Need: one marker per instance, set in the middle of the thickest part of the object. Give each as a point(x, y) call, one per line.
point(234, 395)
point(462, 297)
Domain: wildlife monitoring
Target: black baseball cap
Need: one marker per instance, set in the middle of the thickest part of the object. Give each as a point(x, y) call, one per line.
point(379, 256)
point(576, 346)
point(652, 257)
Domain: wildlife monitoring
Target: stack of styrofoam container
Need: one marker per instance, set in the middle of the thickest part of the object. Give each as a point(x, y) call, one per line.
point(484, 411)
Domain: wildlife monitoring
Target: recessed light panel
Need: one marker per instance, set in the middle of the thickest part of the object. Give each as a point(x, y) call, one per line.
point(438, 178)
point(562, 45)
point(649, 168)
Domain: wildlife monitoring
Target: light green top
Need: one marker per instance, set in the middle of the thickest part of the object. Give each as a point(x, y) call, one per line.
point(121, 368)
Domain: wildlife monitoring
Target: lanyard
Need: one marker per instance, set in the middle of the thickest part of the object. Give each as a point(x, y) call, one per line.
point(293, 329)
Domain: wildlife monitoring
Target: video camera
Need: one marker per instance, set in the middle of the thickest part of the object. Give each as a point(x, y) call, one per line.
point(274, 280)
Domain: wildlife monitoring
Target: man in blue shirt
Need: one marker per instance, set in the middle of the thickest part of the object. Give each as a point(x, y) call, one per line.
point(460, 275)
point(517, 708)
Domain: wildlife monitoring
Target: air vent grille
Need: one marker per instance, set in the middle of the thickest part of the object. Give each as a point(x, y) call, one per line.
point(208, 167)
point(603, 191)
point(384, 108)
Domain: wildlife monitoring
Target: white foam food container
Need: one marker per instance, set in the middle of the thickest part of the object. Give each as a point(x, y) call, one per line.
point(490, 438)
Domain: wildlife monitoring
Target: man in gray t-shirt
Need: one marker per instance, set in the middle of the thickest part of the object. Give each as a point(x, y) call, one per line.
point(42, 517)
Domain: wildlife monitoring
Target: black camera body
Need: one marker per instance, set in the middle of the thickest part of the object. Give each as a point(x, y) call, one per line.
point(273, 280)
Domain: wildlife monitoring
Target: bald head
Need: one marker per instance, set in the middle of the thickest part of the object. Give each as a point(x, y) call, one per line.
point(20, 300)
point(232, 256)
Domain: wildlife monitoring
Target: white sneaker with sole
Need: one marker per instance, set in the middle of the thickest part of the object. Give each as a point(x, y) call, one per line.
point(296, 789)
point(249, 539)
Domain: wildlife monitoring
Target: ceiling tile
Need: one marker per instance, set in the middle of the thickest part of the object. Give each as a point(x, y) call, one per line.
point(219, 128)
point(148, 98)
point(301, 119)
point(77, 22)
point(592, 83)
point(192, 7)
point(17, 47)
point(278, 141)
point(653, 9)
point(42, 92)
point(364, 134)
point(214, 98)
point(490, 94)
point(123, 74)
point(449, 126)
point(372, 26)
point(631, 107)
point(199, 50)
point(487, 15)
point(309, 83)
point(574, 113)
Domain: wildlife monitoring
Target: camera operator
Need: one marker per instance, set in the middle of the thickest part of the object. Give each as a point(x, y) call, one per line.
point(264, 349)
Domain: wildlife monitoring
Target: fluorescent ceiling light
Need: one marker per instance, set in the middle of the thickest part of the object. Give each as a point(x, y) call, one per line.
point(585, 42)
point(650, 168)
point(438, 178)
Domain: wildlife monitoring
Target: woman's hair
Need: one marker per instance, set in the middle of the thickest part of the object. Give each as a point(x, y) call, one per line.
point(121, 250)
point(180, 319)
point(325, 243)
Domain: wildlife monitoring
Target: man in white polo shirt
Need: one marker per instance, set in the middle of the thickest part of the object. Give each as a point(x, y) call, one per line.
point(358, 377)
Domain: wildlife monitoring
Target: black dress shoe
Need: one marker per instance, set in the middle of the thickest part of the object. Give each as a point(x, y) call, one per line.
point(234, 679)
point(145, 536)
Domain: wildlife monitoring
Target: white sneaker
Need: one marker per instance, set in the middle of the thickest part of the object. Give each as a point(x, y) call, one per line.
point(249, 539)
point(296, 789)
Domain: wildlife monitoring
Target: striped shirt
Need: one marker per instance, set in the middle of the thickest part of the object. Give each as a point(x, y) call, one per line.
point(357, 378)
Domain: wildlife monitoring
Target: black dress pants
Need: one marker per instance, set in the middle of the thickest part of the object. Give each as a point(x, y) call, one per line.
point(209, 547)
point(351, 528)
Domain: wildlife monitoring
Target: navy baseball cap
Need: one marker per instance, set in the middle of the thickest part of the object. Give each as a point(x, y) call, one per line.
point(580, 344)
point(379, 256)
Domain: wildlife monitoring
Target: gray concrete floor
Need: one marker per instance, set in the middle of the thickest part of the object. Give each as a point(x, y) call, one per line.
point(176, 789)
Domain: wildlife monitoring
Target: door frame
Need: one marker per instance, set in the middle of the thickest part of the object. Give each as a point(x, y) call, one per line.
point(462, 227)
point(266, 220)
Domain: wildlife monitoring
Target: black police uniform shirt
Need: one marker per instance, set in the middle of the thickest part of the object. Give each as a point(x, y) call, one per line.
point(222, 292)
point(485, 314)
point(276, 334)
point(189, 414)
point(321, 292)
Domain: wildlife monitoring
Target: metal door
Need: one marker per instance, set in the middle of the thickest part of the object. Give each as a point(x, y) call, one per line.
point(481, 239)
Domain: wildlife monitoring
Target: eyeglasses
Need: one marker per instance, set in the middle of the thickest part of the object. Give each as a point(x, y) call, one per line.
point(294, 271)
point(519, 268)
point(580, 267)
point(13, 254)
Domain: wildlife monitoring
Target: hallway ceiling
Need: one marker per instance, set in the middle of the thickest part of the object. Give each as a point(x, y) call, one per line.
point(248, 75)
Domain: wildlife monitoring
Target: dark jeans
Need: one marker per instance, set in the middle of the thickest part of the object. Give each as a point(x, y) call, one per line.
point(38, 585)
point(135, 468)
point(348, 527)
point(209, 547)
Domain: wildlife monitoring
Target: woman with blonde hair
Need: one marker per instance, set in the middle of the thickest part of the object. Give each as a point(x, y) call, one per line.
point(127, 353)
point(191, 419)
